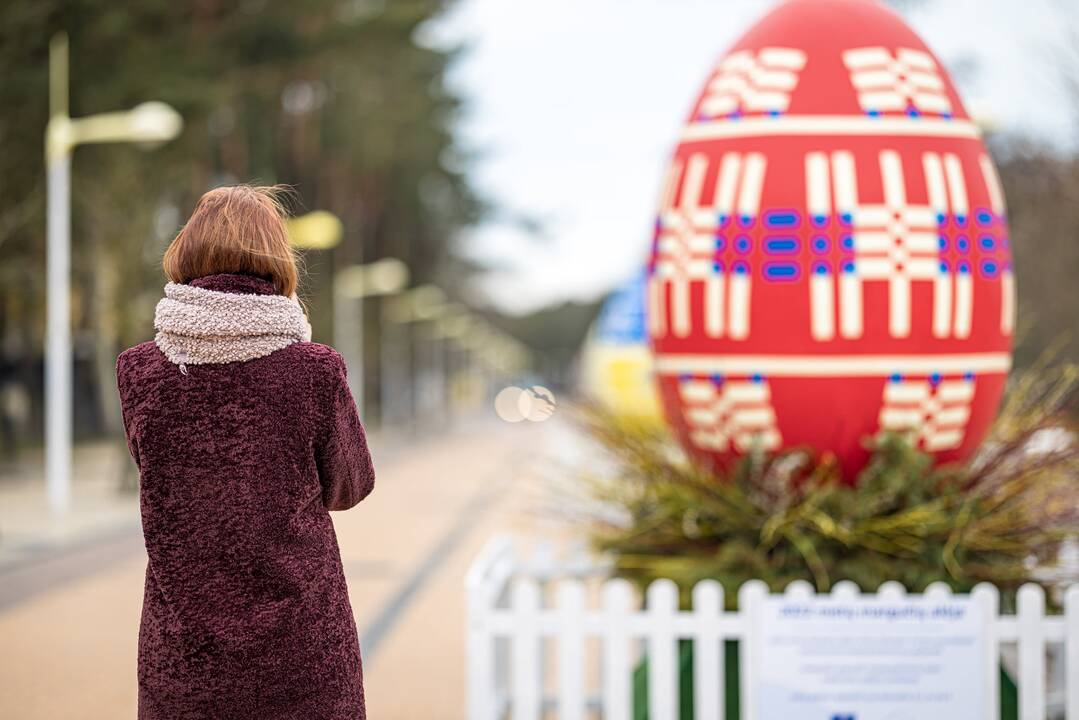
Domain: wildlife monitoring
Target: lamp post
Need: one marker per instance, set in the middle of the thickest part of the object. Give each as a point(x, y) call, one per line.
point(449, 329)
point(419, 304)
point(498, 351)
point(150, 123)
point(350, 286)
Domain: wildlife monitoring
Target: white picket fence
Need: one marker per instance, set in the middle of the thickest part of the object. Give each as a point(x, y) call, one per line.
point(526, 656)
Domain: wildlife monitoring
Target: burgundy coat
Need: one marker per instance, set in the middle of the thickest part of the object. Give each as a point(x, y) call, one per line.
point(245, 613)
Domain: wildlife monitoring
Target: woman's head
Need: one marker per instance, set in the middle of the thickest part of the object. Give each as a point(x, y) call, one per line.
point(235, 229)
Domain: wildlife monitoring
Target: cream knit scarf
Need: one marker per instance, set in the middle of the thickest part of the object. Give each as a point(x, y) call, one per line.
point(198, 326)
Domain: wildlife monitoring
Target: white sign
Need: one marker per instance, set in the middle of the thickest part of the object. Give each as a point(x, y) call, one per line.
point(866, 658)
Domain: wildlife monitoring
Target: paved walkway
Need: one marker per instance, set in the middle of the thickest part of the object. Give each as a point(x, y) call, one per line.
point(98, 508)
point(70, 600)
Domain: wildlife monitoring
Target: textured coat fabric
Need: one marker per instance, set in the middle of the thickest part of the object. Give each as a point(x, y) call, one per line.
point(245, 612)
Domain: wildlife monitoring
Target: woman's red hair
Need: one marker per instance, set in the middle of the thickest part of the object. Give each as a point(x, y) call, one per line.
point(235, 229)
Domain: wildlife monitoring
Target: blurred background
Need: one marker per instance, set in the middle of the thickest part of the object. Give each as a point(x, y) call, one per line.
point(472, 180)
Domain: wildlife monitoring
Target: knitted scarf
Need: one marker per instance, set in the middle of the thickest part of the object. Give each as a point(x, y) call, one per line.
point(198, 326)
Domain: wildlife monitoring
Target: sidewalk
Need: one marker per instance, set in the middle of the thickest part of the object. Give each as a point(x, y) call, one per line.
point(405, 550)
point(99, 508)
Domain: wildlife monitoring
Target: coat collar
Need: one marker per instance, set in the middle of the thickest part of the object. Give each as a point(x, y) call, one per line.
point(236, 283)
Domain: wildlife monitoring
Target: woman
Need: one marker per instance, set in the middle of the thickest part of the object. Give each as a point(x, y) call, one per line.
point(245, 435)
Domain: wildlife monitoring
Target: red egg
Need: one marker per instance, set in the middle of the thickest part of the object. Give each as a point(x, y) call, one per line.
point(831, 254)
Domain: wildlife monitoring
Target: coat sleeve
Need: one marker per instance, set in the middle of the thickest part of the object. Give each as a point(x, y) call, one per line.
point(344, 462)
point(121, 388)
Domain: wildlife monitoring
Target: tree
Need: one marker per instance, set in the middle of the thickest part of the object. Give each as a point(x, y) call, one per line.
point(334, 97)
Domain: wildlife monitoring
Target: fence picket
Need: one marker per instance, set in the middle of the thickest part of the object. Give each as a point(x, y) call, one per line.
point(938, 591)
point(479, 650)
point(662, 651)
point(479, 643)
point(750, 599)
point(799, 589)
point(1030, 611)
point(1071, 657)
point(845, 590)
point(617, 599)
point(527, 675)
point(571, 608)
point(708, 672)
point(988, 598)
point(891, 590)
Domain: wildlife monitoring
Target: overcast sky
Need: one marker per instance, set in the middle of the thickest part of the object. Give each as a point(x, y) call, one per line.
point(574, 107)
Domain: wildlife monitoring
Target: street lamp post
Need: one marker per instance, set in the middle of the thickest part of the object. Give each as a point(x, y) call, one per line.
point(350, 286)
point(151, 123)
point(419, 304)
point(497, 351)
point(451, 326)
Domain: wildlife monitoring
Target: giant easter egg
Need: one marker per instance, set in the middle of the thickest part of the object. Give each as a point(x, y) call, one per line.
point(616, 362)
point(831, 254)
